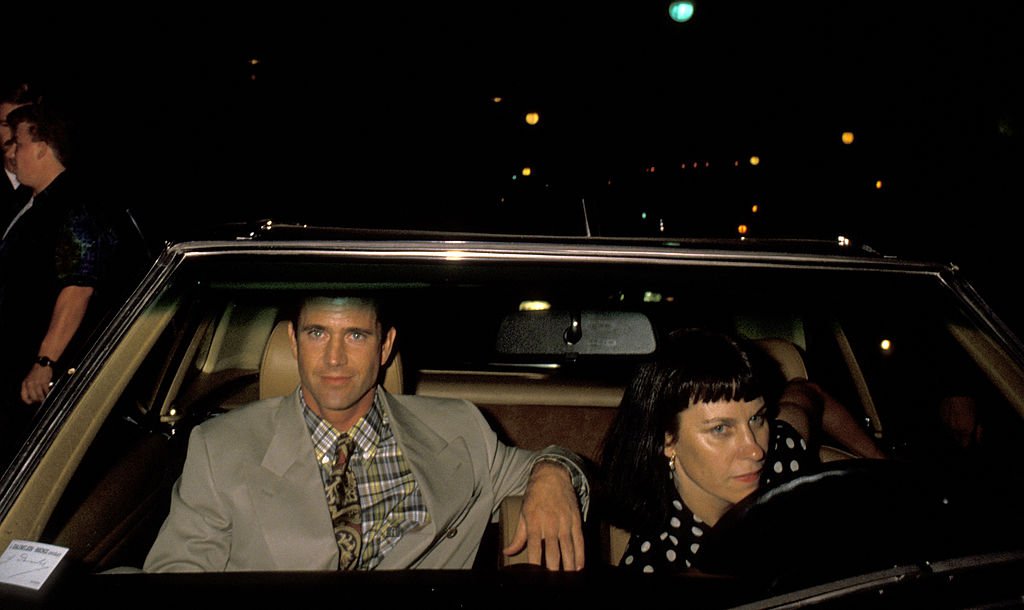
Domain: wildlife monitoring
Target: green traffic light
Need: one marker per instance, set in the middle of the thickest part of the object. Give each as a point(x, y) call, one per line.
point(680, 11)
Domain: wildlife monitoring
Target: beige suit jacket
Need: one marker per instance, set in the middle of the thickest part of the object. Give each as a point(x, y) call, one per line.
point(250, 495)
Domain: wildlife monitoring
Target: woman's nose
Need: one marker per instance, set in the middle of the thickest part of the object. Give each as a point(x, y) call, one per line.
point(751, 448)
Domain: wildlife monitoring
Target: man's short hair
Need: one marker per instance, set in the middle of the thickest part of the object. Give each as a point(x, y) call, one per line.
point(45, 124)
point(365, 299)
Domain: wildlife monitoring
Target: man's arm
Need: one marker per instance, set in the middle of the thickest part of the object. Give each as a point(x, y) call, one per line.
point(555, 503)
point(68, 313)
point(806, 405)
point(196, 535)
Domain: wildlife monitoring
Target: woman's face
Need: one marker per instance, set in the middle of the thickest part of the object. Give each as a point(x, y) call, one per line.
point(719, 450)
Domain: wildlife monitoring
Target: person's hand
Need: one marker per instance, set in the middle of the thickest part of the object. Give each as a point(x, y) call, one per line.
point(36, 384)
point(550, 525)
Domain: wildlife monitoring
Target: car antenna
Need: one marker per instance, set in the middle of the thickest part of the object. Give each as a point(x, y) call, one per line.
point(586, 221)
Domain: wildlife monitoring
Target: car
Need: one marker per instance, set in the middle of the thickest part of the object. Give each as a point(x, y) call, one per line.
point(542, 334)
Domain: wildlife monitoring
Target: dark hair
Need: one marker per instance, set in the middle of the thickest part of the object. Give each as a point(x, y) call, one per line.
point(19, 93)
point(294, 308)
point(694, 366)
point(45, 124)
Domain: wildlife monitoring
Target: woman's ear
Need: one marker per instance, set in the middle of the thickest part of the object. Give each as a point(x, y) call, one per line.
point(670, 446)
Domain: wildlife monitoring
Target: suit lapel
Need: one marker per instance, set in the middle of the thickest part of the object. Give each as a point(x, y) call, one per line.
point(297, 533)
point(442, 472)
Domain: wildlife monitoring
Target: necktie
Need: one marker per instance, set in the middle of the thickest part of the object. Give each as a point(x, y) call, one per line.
point(343, 500)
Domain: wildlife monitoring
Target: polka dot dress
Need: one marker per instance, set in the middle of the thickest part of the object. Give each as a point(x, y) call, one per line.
point(673, 547)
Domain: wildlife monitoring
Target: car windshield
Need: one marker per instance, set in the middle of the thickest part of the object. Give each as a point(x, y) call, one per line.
point(893, 344)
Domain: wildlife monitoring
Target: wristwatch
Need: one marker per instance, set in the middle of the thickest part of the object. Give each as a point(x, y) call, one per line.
point(45, 361)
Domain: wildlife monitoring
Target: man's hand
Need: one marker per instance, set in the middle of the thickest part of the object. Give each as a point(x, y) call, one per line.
point(36, 384)
point(550, 525)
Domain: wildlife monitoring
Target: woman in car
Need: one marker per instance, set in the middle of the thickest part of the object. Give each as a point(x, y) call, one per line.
point(699, 429)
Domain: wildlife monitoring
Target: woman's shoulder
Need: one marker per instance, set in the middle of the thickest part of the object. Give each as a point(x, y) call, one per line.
point(787, 456)
point(782, 430)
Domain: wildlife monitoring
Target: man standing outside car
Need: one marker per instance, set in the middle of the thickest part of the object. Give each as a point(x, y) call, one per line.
point(428, 474)
point(54, 259)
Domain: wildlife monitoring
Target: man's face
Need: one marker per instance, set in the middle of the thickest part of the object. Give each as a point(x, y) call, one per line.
point(719, 449)
point(6, 135)
point(28, 157)
point(340, 348)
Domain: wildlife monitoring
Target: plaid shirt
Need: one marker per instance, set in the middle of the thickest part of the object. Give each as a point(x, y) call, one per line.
point(389, 498)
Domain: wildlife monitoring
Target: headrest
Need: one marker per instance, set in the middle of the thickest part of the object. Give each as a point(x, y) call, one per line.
point(787, 355)
point(279, 372)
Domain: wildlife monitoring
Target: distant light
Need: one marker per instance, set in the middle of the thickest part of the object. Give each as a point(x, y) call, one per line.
point(652, 297)
point(254, 62)
point(643, 215)
point(753, 209)
point(755, 160)
point(496, 99)
point(843, 240)
point(847, 137)
point(736, 163)
point(886, 345)
point(878, 184)
point(527, 171)
point(681, 11)
point(532, 118)
point(742, 229)
point(534, 306)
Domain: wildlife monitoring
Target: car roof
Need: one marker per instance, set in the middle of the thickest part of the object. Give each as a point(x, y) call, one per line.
point(268, 230)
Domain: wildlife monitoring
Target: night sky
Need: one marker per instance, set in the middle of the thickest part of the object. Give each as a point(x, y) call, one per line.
point(351, 111)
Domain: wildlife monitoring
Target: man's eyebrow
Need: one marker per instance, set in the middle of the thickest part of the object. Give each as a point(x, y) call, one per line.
point(365, 331)
point(347, 329)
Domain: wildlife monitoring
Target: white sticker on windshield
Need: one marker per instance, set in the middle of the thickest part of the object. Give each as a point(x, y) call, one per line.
point(29, 564)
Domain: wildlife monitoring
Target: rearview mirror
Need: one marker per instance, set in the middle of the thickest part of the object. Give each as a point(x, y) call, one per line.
point(563, 333)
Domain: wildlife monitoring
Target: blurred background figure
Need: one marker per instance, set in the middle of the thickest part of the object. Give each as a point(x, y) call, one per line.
point(960, 418)
point(13, 194)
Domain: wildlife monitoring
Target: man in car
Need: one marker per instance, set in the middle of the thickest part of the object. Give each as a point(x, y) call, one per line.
point(256, 489)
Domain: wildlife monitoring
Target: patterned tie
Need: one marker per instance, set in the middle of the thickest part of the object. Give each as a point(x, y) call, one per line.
point(343, 500)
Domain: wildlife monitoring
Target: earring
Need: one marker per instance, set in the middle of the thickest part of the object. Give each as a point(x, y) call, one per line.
point(672, 463)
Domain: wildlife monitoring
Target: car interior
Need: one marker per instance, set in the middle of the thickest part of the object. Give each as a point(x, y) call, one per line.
point(542, 372)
